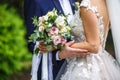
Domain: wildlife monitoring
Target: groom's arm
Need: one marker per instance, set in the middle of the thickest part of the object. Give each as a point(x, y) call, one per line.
point(31, 9)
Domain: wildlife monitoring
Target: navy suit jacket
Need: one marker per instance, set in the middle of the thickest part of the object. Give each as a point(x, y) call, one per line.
point(39, 8)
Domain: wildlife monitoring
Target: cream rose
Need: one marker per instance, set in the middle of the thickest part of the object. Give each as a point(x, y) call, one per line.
point(60, 20)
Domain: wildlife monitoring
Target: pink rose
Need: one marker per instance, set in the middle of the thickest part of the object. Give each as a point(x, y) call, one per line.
point(63, 41)
point(56, 40)
point(54, 30)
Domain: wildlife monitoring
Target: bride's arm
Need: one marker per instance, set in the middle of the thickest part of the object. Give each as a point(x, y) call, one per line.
point(90, 23)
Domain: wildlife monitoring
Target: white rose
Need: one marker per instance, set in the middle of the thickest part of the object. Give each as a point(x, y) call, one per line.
point(45, 17)
point(60, 20)
point(41, 19)
point(77, 3)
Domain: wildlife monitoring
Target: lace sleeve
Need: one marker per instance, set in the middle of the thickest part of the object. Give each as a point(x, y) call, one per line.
point(87, 4)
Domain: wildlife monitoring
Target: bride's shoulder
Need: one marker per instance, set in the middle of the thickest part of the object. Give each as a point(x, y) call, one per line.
point(85, 3)
point(88, 2)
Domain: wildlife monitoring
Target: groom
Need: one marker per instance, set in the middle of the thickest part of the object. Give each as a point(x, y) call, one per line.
point(40, 8)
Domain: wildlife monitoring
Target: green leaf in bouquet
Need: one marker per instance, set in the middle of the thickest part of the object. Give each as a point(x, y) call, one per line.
point(48, 28)
point(46, 23)
point(76, 5)
point(35, 21)
point(33, 37)
point(42, 35)
point(72, 37)
point(66, 35)
point(36, 51)
point(30, 40)
point(37, 32)
point(48, 40)
point(49, 47)
point(54, 18)
point(51, 19)
point(62, 47)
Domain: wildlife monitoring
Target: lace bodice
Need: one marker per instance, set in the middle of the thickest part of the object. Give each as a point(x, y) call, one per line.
point(78, 30)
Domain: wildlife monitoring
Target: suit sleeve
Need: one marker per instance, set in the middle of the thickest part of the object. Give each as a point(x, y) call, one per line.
point(31, 9)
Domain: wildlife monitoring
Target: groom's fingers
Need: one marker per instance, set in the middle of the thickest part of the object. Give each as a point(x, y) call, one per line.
point(42, 46)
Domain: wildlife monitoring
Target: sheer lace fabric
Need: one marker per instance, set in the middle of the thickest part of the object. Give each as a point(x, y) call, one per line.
point(100, 66)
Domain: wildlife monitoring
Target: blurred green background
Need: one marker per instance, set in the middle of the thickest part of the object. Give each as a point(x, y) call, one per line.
point(15, 59)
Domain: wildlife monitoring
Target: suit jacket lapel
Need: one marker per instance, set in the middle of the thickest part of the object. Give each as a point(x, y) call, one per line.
point(58, 6)
point(72, 5)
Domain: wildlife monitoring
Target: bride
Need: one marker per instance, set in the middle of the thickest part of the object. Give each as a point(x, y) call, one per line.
point(90, 32)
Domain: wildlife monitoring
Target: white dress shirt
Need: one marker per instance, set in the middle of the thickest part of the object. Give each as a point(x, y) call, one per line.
point(65, 4)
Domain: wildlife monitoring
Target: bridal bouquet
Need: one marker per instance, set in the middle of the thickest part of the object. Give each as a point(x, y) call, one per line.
point(51, 29)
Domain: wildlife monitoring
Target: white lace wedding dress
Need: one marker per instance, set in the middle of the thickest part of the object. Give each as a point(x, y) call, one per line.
point(100, 66)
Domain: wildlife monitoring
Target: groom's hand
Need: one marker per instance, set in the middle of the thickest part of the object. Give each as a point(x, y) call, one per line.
point(68, 52)
point(43, 48)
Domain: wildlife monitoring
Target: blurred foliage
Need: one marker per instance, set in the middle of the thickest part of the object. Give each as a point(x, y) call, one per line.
point(14, 55)
point(17, 4)
point(109, 42)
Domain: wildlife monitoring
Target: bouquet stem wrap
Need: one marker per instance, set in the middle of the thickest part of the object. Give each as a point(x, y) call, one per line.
point(45, 66)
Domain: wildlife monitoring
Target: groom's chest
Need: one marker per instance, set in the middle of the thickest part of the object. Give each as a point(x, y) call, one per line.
point(49, 5)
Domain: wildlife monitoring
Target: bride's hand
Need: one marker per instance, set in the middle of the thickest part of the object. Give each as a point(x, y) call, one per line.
point(43, 48)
